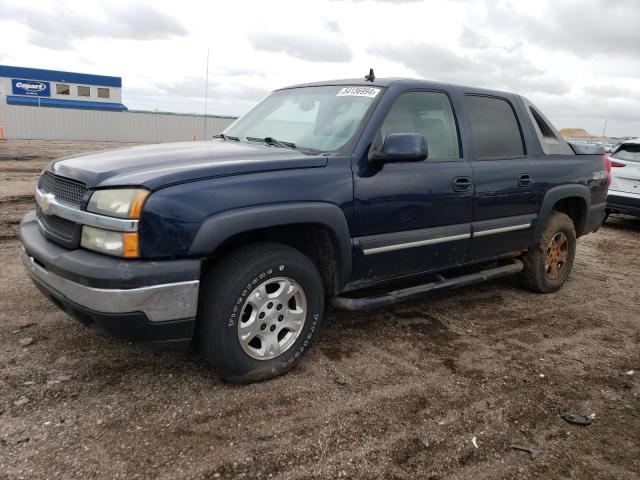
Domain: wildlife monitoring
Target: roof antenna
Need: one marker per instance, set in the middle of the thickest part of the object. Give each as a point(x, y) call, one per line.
point(371, 77)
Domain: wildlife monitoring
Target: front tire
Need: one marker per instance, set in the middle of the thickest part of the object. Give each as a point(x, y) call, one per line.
point(547, 267)
point(260, 310)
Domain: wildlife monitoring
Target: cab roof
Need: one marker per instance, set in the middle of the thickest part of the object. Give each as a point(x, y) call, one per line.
point(400, 82)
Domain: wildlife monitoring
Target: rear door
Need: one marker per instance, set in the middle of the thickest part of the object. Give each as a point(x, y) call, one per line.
point(506, 199)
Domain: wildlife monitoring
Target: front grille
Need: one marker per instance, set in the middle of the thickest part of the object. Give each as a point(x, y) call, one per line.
point(67, 191)
point(59, 227)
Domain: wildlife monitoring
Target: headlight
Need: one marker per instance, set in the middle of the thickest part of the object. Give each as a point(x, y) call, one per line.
point(114, 202)
point(118, 202)
point(112, 243)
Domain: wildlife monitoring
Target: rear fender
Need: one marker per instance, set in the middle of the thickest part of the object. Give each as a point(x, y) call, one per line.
point(555, 195)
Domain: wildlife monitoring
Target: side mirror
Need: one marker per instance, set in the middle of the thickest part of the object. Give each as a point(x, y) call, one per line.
point(402, 147)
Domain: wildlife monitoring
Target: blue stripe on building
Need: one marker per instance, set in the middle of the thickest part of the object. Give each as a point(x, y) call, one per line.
point(55, 102)
point(59, 76)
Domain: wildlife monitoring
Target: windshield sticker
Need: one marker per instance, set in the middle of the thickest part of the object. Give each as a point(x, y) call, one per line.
point(358, 92)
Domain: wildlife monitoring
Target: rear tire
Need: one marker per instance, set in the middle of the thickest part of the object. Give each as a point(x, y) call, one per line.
point(547, 267)
point(260, 308)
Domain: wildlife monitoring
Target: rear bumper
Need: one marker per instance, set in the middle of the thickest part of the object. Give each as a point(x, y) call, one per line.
point(146, 301)
point(623, 202)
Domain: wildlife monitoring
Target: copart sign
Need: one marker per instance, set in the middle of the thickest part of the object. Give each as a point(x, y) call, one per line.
point(30, 87)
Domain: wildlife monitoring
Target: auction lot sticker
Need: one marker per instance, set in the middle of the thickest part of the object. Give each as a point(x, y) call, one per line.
point(358, 92)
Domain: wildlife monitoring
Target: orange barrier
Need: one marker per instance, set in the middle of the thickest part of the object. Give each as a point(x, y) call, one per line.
point(2, 139)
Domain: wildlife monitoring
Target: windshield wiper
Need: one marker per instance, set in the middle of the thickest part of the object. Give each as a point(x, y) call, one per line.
point(273, 141)
point(226, 137)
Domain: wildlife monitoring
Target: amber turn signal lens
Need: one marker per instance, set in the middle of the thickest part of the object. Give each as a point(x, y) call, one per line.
point(130, 245)
point(136, 205)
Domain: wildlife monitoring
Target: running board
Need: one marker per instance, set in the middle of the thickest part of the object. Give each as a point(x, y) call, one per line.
point(406, 293)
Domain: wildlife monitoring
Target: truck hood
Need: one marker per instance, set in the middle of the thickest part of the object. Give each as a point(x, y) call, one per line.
point(155, 166)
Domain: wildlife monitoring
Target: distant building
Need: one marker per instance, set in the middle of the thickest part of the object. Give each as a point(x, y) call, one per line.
point(52, 88)
point(56, 105)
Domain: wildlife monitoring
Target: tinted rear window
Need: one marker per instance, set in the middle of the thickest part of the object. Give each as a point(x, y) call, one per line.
point(494, 128)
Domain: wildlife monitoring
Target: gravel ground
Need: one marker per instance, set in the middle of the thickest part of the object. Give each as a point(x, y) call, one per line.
point(439, 387)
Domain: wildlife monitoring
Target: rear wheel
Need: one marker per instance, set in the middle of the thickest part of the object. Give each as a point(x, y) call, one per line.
point(260, 309)
point(547, 267)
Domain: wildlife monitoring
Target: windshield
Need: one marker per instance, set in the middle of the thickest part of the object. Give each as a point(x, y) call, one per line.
point(629, 152)
point(319, 119)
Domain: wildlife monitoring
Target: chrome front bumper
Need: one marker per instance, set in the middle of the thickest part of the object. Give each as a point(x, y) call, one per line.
point(164, 302)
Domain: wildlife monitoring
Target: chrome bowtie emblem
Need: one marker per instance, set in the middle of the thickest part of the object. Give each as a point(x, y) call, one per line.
point(45, 201)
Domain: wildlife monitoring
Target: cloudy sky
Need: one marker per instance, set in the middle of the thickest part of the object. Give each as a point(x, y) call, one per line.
point(578, 60)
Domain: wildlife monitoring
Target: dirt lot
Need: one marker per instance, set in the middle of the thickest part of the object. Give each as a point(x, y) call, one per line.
point(418, 382)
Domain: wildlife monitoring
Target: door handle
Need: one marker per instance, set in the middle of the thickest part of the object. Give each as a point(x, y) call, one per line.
point(524, 180)
point(462, 184)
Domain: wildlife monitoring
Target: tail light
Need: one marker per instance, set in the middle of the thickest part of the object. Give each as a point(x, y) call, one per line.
point(615, 164)
point(607, 168)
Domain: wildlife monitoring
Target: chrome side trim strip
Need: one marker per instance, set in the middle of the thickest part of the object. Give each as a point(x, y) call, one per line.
point(164, 302)
point(50, 206)
point(493, 231)
point(419, 243)
point(451, 238)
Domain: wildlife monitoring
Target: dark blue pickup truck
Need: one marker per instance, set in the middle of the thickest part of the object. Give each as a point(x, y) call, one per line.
point(356, 192)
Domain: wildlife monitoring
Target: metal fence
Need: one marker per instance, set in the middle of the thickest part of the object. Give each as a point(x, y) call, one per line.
point(44, 123)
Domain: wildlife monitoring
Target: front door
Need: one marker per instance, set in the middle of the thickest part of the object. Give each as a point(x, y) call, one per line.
point(413, 217)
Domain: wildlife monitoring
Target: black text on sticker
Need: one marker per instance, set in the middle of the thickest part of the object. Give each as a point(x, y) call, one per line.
point(358, 92)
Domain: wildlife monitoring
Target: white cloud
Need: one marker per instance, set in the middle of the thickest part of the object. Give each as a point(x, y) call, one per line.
point(60, 28)
point(489, 68)
point(382, 1)
point(303, 47)
point(332, 25)
point(578, 60)
point(584, 27)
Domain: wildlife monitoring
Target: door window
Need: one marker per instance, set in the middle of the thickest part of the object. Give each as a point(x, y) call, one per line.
point(494, 128)
point(429, 114)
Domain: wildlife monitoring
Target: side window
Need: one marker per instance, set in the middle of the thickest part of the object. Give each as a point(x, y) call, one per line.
point(548, 136)
point(494, 128)
point(62, 89)
point(550, 140)
point(429, 114)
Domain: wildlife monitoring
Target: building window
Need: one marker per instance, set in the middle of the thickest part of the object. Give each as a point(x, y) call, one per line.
point(103, 92)
point(62, 89)
point(84, 91)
